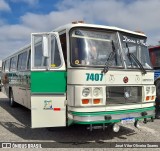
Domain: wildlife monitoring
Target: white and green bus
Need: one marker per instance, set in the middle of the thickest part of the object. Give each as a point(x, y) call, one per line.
point(82, 74)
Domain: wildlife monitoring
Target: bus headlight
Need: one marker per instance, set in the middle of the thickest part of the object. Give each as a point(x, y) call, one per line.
point(86, 92)
point(147, 90)
point(153, 89)
point(96, 92)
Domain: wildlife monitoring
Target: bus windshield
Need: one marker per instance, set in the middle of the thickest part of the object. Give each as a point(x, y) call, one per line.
point(136, 46)
point(93, 48)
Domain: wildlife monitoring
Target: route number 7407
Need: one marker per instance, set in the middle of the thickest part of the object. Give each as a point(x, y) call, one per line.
point(94, 77)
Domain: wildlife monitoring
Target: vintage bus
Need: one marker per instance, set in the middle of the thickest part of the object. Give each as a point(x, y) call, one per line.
point(82, 74)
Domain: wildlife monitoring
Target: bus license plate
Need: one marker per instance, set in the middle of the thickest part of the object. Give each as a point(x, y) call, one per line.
point(127, 120)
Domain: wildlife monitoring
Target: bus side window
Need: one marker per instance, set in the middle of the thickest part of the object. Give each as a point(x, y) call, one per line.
point(13, 63)
point(3, 66)
point(7, 62)
point(29, 60)
point(22, 58)
point(64, 46)
point(38, 54)
point(55, 55)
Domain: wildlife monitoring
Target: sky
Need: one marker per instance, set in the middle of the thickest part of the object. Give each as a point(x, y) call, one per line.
point(20, 18)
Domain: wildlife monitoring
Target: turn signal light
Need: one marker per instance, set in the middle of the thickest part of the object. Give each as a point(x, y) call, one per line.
point(147, 98)
point(85, 101)
point(96, 101)
point(152, 98)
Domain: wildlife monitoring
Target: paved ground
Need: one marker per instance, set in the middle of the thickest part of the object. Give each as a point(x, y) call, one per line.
point(15, 127)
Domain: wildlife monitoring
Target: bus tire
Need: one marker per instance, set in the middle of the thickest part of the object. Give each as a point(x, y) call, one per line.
point(11, 99)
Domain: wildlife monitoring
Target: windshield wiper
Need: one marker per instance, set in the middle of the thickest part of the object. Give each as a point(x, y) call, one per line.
point(110, 59)
point(132, 56)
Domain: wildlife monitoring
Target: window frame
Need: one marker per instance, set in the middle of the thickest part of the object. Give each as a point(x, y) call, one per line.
point(8, 65)
point(25, 51)
point(49, 66)
point(92, 66)
point(29, 59)
point(10, 69)
point(139, 52)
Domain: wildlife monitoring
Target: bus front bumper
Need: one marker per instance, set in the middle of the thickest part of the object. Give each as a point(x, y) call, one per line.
point(110, 116)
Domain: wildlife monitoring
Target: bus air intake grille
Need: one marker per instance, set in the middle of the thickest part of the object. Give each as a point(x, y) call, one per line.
point(123, 95)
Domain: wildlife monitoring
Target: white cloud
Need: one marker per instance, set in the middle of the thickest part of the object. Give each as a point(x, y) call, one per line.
point(14, 32)
point(12, 38)
point(51, 20)
point(4, 6)
point(136, 15)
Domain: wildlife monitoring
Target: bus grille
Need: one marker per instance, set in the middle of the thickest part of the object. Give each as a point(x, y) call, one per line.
point(123, 94)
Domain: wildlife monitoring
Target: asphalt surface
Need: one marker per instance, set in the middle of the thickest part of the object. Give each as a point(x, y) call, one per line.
point(15, 127)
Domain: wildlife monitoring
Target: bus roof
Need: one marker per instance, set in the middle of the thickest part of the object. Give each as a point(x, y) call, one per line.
point(71, 25)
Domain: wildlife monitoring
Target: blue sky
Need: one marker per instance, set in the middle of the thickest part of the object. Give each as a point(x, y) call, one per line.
point(19, 18)
point(18, 8)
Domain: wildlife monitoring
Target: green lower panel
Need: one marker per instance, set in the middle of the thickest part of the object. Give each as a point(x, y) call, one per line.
point(124, 113)
point(113, 112)
point(108, 122)
point(97, 122)
point(48, 81)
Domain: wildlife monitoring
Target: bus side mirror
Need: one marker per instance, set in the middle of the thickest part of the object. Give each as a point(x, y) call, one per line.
point(45, 46)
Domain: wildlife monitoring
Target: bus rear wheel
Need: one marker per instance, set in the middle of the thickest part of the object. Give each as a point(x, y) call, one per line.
point(11, 99)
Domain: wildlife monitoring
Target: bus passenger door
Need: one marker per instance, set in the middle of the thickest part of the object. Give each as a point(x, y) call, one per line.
point(48, 81)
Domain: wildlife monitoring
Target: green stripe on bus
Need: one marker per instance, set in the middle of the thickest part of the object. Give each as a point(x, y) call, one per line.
point(48, 82)
point(112, 112)
point(110, 121)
